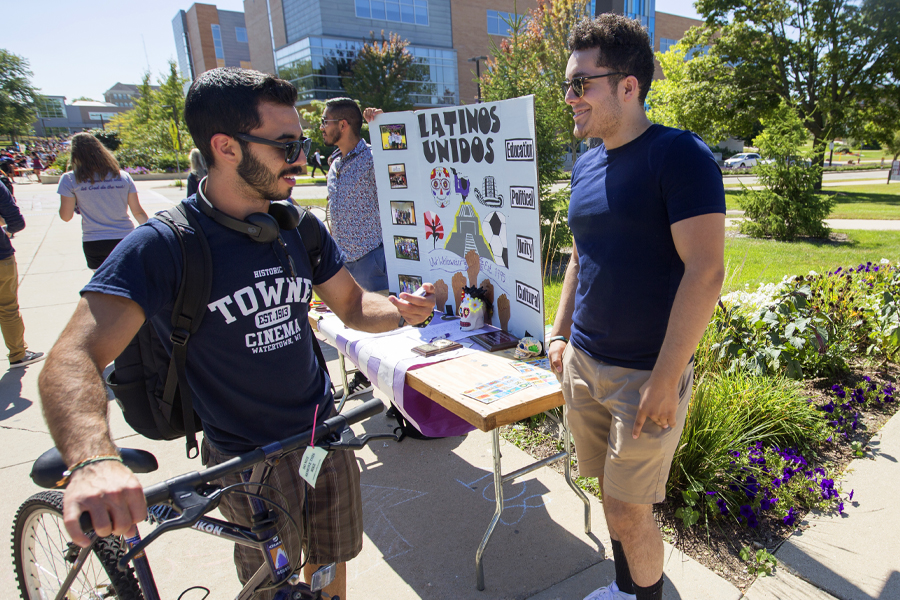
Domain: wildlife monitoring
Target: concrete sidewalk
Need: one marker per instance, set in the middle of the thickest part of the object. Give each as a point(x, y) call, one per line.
point(427, 504)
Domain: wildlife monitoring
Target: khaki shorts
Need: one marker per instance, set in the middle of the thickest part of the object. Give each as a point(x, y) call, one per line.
point(603, 402)
point(335, 526)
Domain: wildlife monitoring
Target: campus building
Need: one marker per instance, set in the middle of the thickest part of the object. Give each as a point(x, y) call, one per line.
point(124, 94)
point(55, 117)
point(206, 38)
point(313, 42)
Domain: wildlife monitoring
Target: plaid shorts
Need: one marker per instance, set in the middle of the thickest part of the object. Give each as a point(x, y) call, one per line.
point(335, 526)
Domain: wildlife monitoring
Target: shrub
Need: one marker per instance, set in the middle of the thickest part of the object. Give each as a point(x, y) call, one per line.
point(62, 161)
point(787, 206)
point(732, 411)
point(108, 137)
point(730, 459)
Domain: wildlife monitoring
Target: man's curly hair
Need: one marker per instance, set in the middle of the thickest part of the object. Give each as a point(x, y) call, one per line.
point(622, 45)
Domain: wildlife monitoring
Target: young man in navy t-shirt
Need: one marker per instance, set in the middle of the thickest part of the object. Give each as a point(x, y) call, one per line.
point(647, 215)
point(251, 364)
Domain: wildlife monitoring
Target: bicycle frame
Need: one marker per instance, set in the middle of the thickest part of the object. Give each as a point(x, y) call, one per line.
point(267, 542)
point(254, 468)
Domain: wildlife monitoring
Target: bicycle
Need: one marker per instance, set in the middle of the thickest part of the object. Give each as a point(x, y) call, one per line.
point(48, 566)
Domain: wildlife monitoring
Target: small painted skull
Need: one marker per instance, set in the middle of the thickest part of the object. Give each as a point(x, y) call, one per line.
point(528, 347)
point(441, 186)
point(471, 313)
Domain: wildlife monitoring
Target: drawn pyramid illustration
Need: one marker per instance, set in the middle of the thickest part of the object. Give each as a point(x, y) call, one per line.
point(466, 234)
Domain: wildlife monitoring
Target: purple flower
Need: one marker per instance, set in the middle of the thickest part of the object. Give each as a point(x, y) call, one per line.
point(723, 507)
point(790, 518)
point(840, 507)
point(829, 408)
point(776, 483)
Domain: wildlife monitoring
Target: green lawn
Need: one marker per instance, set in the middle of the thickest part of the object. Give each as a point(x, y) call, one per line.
point(873, 201)
point(751, 261)
point(314, 202)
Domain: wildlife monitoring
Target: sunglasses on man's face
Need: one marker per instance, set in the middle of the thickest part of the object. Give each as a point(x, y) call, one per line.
point(577, 83)
point(291, 149)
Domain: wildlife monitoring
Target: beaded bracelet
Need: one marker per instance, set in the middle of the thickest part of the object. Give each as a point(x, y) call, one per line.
point(88, 461)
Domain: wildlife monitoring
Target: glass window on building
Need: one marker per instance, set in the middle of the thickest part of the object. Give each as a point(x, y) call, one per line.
point(50, 108)
point(645, 12)
point(217, 42)
point(241, 34)
point(498, 23)
point(412, 12)
point(316, 67)
point(665, 44)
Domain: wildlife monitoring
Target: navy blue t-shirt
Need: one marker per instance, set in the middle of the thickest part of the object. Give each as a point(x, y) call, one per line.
point(251, 365)
point(623, 204)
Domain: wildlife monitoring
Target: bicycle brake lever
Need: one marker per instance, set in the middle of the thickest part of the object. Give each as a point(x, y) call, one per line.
point(191, 505)
point(358, 442)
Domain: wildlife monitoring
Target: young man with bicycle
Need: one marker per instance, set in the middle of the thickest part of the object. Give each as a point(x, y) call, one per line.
point(252, 385)
point(647, 215)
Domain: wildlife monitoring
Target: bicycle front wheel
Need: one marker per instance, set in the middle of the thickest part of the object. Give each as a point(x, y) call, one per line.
point(43, 555)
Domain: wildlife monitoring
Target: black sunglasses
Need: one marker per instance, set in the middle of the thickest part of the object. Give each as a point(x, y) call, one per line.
point(291, 149)
point(577, 83)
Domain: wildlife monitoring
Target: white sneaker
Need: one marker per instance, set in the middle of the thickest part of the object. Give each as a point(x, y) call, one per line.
point(610, 592)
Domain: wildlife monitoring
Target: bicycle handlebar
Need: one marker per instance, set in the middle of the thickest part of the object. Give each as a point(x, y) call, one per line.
point(161, 492)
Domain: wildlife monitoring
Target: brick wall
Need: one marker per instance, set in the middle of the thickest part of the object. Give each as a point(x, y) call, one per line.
point(470, 37)
point(672, 27)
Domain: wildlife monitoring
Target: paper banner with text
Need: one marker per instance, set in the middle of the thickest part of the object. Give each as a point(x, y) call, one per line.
point(458, 194)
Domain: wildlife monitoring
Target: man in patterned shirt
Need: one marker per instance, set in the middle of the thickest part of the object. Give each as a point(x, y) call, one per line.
point(355, 221)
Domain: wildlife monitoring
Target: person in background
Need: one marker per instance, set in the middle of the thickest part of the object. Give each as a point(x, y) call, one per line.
point(315, 162)
point(198, 172)
point(36, 166)
point(10, 318)
point(7, 172)
point(103, 193)
point(353, 203)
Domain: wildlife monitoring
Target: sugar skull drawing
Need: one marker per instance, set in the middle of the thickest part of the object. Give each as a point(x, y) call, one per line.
point(441, 186)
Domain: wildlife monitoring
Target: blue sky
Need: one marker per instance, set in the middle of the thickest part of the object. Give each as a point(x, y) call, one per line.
point(78, 48)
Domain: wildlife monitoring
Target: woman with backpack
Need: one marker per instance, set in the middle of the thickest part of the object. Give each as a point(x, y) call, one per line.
point(102, 193)
point(198, 172)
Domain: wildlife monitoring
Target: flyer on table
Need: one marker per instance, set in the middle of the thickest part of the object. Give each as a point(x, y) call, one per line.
point(458, 194)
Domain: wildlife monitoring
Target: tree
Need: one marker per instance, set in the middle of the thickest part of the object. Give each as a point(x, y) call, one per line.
point(788, 205)
point(696, 95)
point(384, 75)
point(532, 60)
point(18, 98)
point(83, 98)
point(146, 132)
point(313, 115)
point(833, 59)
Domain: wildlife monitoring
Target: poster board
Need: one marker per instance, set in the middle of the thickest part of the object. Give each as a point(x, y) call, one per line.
point(895, 171)
point(458, 195)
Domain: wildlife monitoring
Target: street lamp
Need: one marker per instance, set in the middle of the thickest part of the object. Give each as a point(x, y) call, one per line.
point(477, 60)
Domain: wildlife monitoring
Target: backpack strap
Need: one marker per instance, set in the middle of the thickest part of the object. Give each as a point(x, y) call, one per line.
point(311, 234)
point(187, 314)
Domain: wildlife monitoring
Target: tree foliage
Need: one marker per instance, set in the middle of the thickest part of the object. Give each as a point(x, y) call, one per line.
point(384, 74)
point(145, 130)
point(835, 60)
point(788, 205)
point(532, 60)
point(17, 96)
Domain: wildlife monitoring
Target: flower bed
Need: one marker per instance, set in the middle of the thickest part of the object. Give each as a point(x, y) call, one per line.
point(791, 381)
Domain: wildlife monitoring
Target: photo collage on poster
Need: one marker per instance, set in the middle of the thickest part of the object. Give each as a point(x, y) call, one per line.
point(457, 191)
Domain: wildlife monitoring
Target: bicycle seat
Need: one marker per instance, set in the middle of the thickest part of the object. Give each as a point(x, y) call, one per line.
point(48, 468)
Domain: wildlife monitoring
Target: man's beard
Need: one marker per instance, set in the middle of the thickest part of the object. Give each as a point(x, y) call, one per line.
point(262, 180)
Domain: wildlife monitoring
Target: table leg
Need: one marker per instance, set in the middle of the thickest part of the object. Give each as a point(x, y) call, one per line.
point(498, 495)
point(342, 368)
point(568, 471)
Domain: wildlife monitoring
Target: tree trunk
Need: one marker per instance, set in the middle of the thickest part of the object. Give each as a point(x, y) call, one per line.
point(818, 158)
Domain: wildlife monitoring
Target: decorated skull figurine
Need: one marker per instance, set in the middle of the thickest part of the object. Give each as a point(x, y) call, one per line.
point(528, 347)
point(471, 313)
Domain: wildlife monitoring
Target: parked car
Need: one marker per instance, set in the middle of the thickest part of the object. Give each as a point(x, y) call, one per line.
point(742, 161)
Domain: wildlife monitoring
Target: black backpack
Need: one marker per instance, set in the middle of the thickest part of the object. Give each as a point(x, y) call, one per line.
point(151, 387)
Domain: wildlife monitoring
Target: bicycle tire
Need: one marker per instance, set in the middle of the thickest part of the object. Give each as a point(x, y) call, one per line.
point(43, 555)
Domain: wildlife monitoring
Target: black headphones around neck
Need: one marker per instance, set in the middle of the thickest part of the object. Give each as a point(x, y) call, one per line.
point(259, 226)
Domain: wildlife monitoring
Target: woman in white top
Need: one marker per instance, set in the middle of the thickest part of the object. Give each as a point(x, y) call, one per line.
point(101, 192)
